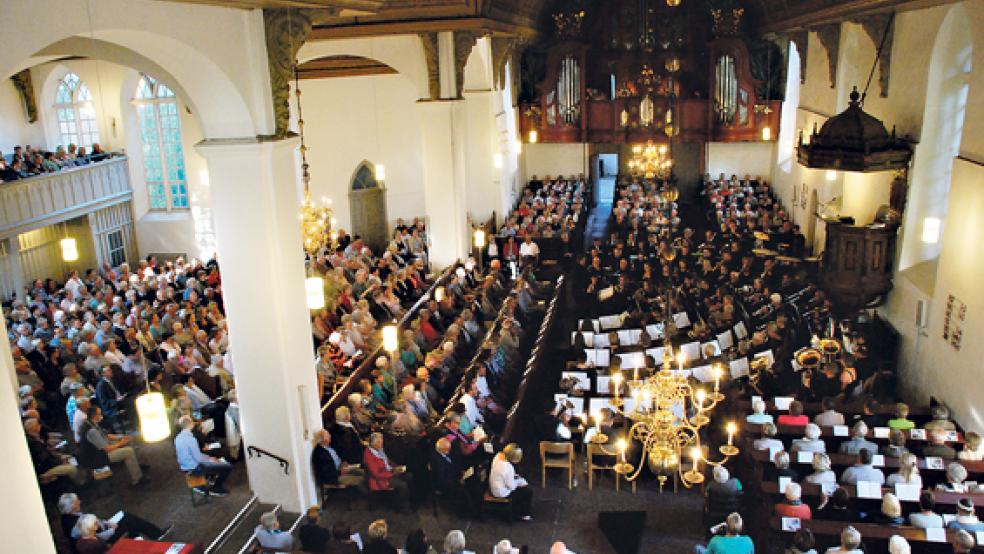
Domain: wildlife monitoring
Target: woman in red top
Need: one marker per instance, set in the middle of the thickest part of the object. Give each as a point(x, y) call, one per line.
point(795, 415)
point(381, 474)
point(793, 506)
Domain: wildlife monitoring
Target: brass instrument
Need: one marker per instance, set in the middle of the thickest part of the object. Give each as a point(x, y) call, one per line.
point(809, 358)
point(830, 348)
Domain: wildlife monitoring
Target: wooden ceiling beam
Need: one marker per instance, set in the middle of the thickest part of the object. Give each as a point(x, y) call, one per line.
point(368, 29)
point(811, 14)
point(354, 6)
point(345, 72)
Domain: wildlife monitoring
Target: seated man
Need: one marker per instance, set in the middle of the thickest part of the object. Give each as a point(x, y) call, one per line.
point(901, 420)
point(758, 415)
point(850, 542)
point(98, 448)
point(381, 474)
point(811, 442)
point(793, 505)
point(450, 479)
point(348, 443)
point(829, 416)
point(863, 471)
point(858, 441)
point(193, 461)
point(941, 419)
point(70, 508)
point(329, 468)
point(48, 464)
point(270, 537)
point(938, 446)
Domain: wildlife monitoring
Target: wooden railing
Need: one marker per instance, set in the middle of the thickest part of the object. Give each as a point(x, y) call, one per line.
point(36, 202)
point(363, 370)
point(534, 365)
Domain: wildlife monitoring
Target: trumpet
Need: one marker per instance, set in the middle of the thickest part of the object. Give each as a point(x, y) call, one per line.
point(830, 349)
point(809, 358)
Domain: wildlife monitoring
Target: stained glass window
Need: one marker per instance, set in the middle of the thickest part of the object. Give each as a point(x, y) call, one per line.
point(160, 133)
point(75, 112)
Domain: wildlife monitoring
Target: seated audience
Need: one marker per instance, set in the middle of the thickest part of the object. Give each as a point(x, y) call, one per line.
point(381, 474)
point(377, 542)
point(901, 420)
point(313, 537)
point(821, 470)
point(890, 513)
point(193, 461)
point(837, 507)
point(731, 542)
point(758, 415)
point(966, 517)
point(795, 415)
point(863, 470)
point(896, 444)
point(926, 518)
point(803, 542)
point(329, 468)
point(70, 508)
point(723, 494)
point(972, 451)
point(417, 543)
point(850, 542)
point(963, 542)
point(829, 416)
point(858, 441)
point(908, 472)
point(792, 505)
point(269, 535)
point(937, 446)
point(941, 419)
point(811, 442)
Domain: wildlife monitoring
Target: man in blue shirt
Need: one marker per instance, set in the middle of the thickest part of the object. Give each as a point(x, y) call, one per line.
point(193, 461)
point(733, 542)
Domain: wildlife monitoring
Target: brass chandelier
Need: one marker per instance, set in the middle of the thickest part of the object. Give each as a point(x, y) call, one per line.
point(665, 414)
point(651, 161)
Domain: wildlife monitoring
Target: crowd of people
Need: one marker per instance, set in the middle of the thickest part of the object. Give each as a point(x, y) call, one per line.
point(550, 210)
point(28, 161)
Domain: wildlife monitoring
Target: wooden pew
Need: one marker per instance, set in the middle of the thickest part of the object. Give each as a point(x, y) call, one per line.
point(873, 531)
point(813, 408)
point(943, 498)
point(846, 460)
point(796, 431)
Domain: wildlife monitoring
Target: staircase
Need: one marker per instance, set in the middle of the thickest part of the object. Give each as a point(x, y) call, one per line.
point(237, 537)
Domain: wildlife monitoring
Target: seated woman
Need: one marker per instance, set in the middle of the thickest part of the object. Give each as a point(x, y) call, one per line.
point(781, 468)
point(758, 415)
point(956, 474)
point(972, 451)
point(723, 495)
point(891, 512)
point(795, 415)
point(793, 505)
point(505, 483)
point(821, 470)
point(908, 472)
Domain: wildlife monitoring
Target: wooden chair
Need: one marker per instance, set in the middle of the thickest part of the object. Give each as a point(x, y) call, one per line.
point(490, 501)
point(596, 450)
point(557, 455)
point(197, 486)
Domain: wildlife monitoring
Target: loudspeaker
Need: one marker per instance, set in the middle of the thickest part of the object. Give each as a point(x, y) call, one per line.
point(623, 530)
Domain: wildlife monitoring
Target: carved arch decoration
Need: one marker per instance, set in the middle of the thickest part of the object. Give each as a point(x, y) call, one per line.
point(830, 36)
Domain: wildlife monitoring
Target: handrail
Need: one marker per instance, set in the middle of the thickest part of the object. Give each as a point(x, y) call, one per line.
point(338, 399)
point(223, 535)
point(259, 452)
point(535, 361)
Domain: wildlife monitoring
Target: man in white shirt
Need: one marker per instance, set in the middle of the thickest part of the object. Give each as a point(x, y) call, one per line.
point(470, 400)
point(529, 249)
point(504, 483)
point(863, 471)
point(829, 416)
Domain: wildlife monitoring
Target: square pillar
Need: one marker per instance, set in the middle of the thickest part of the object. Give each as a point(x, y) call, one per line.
point(255, 190)
point(443, 127)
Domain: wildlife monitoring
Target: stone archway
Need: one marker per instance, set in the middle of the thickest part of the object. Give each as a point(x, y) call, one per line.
point(367, 207)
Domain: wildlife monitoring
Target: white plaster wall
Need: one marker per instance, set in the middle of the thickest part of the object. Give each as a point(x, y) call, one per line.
point(351, 119)
point(404, 53)
point(740, 158)
point(555, 159)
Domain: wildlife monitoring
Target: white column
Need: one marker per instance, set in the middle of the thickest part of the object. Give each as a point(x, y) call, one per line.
point(445, 59)
point(254, 202)
point(15, 267)
point(24, 526)
point(443, 128)
point(484, 179)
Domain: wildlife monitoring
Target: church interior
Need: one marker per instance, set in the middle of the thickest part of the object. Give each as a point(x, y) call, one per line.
point(466, 276)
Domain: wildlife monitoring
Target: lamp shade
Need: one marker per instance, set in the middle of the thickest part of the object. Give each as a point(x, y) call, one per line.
point(390, 342)
point(439, 294)
point(534, 136)
point(766, 133)
point(479, 237)
point(69, 249)
point(154, 425)
point(380, 172)
point(314, 290)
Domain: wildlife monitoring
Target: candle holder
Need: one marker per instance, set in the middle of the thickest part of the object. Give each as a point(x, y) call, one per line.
point(728, 450)
point(623, 468)
point(701, 420)
point(599, 438)
point(693, 476)
point(717, 396)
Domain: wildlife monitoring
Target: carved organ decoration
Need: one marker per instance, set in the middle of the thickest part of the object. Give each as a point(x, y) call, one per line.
point(562, 93)
point(733, 97)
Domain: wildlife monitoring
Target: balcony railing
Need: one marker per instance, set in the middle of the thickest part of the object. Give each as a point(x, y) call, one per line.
point(36, 202)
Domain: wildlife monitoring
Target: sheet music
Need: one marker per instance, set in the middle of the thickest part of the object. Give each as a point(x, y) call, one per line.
point(601, 340)
point(740, 331)
point(603, 383)
point(598, 356)
point(725, 340)
point(768, 355)
point(629, 337)
point(691, 350)
point(738, 368)
point(681, 320)
point(610, 321)
point(655, 330)
point(632, 360)
point(576, 401)
point(657, 354)
point(583, 382)
point(714, 343)
point(588, 338)
point(704, 373)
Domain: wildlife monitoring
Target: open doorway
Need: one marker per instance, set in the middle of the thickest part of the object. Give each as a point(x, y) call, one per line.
point(605, 170)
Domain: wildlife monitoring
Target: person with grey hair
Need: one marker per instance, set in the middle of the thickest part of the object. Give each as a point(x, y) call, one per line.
point(821, 470)
point(89, 541)
point(858, 441)
point(768, 441)
point(966, 517)
point(193, 461)
point(329, 467)
point(811, 441)
point(49, 464)
point(850, 542)
point(758, 414)
point(955, 475)
point(732, 541)
point(70, 508)
point(381, 473)
point(504, 547)
point(454, 542)
point(345, 437)
point(941, 419)
point(269, 535)
point(723, 494)
point(963, 542)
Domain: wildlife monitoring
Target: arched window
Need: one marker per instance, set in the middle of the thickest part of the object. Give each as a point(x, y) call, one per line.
point(365, 178)
point(75, 112)
point(160, 133)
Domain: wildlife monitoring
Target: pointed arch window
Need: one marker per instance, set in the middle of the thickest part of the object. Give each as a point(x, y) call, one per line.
point(75, 112)
point(365, 177)
point(160, 135)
